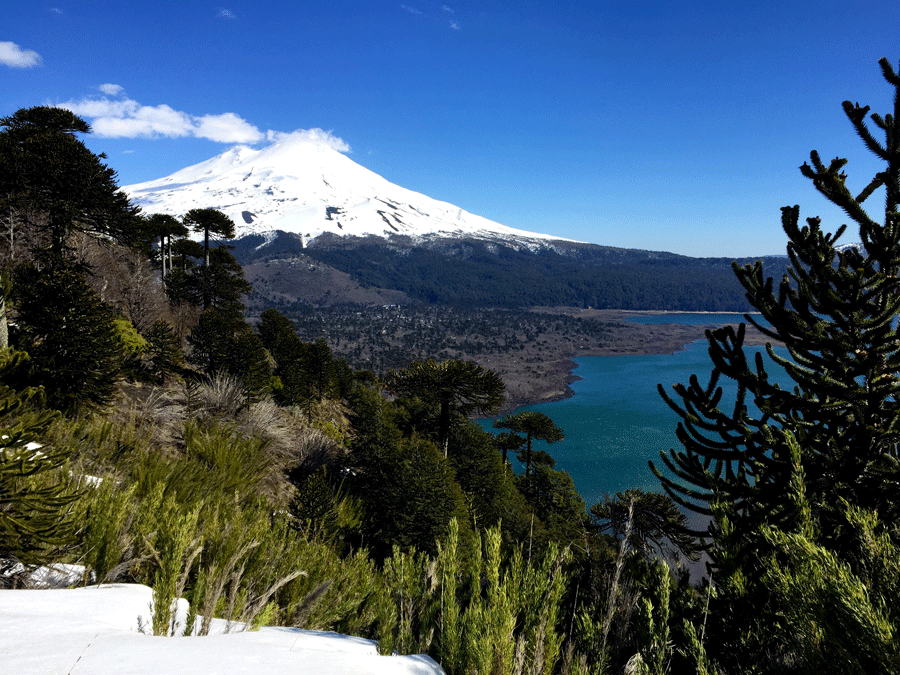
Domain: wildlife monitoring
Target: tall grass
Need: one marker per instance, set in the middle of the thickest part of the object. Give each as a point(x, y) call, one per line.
point(485, 614)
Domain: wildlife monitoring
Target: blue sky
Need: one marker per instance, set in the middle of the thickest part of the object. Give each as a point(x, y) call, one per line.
point(676, 126)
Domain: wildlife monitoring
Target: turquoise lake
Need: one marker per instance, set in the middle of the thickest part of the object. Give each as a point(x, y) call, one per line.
point(616, 420)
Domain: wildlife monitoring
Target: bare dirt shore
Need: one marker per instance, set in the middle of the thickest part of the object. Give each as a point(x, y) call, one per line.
point(544, 368)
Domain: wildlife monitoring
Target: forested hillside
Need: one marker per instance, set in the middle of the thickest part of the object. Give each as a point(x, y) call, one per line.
point(153, 435)
point(487, 274)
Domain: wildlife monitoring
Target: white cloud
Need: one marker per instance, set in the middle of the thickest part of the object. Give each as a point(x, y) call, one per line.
point(14, 56)
point(56, 10)
point(226, 128)
point(447, 8)
point(126, 118)
point(411, 10)
point(226, 14)
point(313, 136)
point(454, 25)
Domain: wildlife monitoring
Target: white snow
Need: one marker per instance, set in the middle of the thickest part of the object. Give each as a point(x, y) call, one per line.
point(309, 188)
point(97, 631)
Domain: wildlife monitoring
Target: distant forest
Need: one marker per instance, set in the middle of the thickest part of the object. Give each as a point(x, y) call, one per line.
point(482, 274)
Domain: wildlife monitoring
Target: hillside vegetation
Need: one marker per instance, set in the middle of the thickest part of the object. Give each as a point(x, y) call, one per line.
point(473, 273)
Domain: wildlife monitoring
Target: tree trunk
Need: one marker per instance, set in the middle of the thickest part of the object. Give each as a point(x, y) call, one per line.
point(4, 326)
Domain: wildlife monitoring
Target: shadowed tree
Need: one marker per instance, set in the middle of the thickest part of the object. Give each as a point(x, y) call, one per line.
point(533, 425)
point(211, 223)
point(508, 441)
point(163, 226)
point(655, 520)
point(223, 342)
point(52, 185)
point(76, 351)
point(456, 388)
point(34, 519)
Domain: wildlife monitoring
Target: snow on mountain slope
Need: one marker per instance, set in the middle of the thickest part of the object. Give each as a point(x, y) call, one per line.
point(300, 186)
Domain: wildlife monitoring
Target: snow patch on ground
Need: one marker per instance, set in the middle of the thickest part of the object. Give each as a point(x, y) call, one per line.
point(102, 630)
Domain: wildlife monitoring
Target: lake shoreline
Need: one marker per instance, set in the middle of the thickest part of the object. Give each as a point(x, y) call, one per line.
point(528, 384)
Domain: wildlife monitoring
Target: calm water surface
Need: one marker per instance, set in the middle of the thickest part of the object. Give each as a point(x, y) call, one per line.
point(617, 421)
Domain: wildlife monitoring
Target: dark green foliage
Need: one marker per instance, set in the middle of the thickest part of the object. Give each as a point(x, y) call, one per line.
point(534, 425)
point(163, 227)
point(163, 356)
point(276, 332)
point(209, 222)
point(184, 252)
point(34, 521)
point(508, 441)
point(453, 389)
point(315, 505)
point(406, 487)
point(52, 185)
point(554, 498)
point(76, 353)
point(222, 282)
point(219, 285)
point(305, 371)
point(801, 483)
point(657, 525)
point(481, 474)
point(223, 343)
point(219, 282)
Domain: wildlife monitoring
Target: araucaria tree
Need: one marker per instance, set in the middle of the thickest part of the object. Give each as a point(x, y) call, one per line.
point(456, 388)
point(533, 425)
point(51, 185)
point(786, 472)
point(836, 312)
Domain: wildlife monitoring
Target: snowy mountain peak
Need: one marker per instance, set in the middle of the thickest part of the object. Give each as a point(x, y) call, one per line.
point(306, 187)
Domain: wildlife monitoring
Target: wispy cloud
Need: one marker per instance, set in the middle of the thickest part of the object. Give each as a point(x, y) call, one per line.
point(124, 117)
point(313, 136)
point(434, 14)
point(14, 56)
point(226, 14)
point(56, 10)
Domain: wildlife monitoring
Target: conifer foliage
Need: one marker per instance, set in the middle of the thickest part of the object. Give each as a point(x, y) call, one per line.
point(801, 483)
point(455, 388)
point(836, 312)
point(69, 333)
point(52, 185)
point(34, 521)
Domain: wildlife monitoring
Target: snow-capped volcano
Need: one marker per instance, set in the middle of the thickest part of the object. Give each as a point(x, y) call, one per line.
point(308, 188)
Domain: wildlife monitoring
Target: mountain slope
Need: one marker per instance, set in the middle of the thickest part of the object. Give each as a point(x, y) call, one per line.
point(315, 228)
point(307, 188)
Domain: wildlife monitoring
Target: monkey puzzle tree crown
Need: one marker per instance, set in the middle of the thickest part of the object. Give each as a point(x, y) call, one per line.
point(836, 313)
